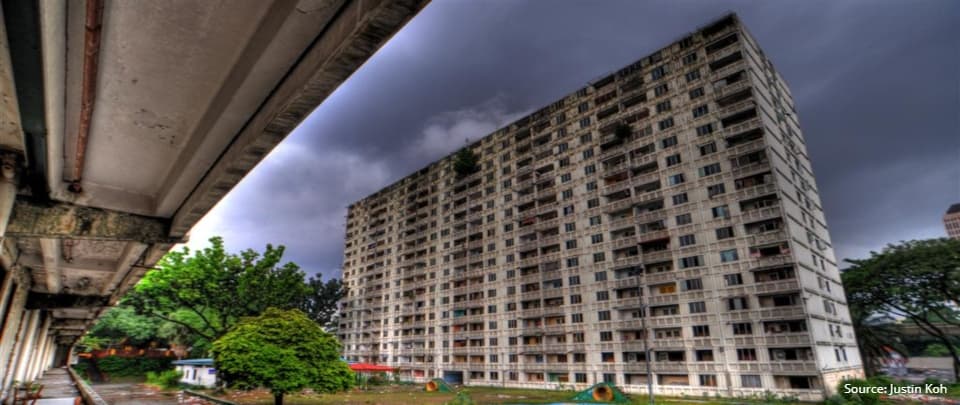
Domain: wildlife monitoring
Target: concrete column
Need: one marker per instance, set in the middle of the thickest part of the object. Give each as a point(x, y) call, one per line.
point(34, 368)
point(29, 338)
point(8, 337)
point(8, 188)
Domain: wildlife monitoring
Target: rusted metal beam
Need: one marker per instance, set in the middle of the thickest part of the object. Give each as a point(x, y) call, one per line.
point(63, 220)
point(91, 64)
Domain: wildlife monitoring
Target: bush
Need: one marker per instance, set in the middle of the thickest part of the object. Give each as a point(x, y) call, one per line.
point(165, 379)
point(835, 400)
point(115, 366)
point(857, 398)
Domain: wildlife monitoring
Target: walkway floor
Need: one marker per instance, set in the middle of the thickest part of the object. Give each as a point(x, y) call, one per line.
point(58, 388)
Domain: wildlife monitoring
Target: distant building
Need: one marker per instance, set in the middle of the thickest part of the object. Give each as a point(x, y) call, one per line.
point(198, 372)
point(669, 204)
point(952, 221)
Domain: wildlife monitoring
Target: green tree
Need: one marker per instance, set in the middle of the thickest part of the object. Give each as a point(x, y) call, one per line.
point(466, 162)
point(208, 292)
point(321, 304)
point(918, 281)
point(284, 351)
point(122, 324)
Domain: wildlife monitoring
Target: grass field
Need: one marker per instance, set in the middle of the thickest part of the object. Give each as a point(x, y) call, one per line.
point(410, 394)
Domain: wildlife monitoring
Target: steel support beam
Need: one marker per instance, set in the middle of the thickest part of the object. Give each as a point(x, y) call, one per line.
point(62, 220)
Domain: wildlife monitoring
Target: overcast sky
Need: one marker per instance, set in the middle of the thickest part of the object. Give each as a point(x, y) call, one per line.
point(875, 83)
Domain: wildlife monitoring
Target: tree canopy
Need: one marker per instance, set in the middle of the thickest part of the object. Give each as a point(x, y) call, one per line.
point(200, 295)
point(284, 351)
point(466, 162)
point(917, 281)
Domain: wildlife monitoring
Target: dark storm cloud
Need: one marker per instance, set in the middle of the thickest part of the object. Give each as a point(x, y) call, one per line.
point(875, 85)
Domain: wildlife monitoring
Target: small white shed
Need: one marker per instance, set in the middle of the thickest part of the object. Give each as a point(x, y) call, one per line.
point(198, 372)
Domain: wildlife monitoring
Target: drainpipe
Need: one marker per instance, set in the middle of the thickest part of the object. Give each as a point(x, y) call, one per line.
point(91, 60)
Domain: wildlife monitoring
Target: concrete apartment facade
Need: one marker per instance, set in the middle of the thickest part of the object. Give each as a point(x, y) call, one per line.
point(951, 221)
point(701, 224)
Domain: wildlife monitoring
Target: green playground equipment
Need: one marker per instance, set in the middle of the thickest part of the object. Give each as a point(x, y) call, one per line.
point(603, 393)
point(437, 385)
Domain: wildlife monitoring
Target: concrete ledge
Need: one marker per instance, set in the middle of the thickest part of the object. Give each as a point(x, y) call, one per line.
point(206, 397)
point(90, 397)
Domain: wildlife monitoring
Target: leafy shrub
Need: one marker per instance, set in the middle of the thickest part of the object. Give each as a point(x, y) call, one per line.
point(835, 400)
point(165, 379)
point(115, 366)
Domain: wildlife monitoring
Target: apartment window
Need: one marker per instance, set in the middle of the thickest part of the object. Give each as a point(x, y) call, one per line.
point(698, 307)
point(729, 256)
point(733, 279)
point(600, 276)
point(564, 162)
point(584, 122)
point(589, 169)
point(566, 177)
point(692, 284)
point(701, 330)
point(660, 90)
point(675, 179)
point(583, 107)
point(673, 160)
point(696, 93)
point(593, 203)
point(747, 354)
point(570, 227)
point(708, 148)
point(710, 170)
point(724, 233)
point(692, 261)
point(573, 280)
point(580, 378)
point(511, 273)
point(576, 318)
point(566, 194)
point(595, 220)
point(562, 147)
point(692, 76)
point(586, 138)
point(598, 238)
point(715, 190)
point(700, 111)
point(720, 212)
point(573, 262)
point(704, 130)
point(568, 210)
point(591, 186)
point(668, 142)
point(737, 303)
point(750, 381)
point(687, 240)
point(684, 219)
point(603, 315)
point(578, 336)
point(664, 124)
point(606, 336)
point(599, 257)
point(680, 199)
point(576, 299)
point(658, 72)
point(571, 244)
point(689, 58)
point(587, 154)
point(603, 295)
point(663, 106)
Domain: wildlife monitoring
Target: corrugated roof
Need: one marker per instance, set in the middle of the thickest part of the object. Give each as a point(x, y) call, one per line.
point(193, 362)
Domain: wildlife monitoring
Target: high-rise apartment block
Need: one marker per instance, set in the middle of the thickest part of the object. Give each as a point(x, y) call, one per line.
point(668, 206)
point(951, 221)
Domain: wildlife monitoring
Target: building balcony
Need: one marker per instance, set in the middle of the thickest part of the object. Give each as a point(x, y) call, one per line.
point(736, 107)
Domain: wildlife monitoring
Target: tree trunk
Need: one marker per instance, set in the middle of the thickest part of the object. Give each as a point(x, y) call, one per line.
point(278, 399)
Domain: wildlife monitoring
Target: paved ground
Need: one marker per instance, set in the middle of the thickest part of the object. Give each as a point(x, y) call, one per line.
point(58, 388)
point(133, 394)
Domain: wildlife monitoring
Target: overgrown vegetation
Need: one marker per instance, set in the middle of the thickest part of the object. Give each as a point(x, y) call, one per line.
point(623, 131)
point(164, 379)
point(466, 162)
point(283, 351)
point(916, 281)
point(116, 366)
